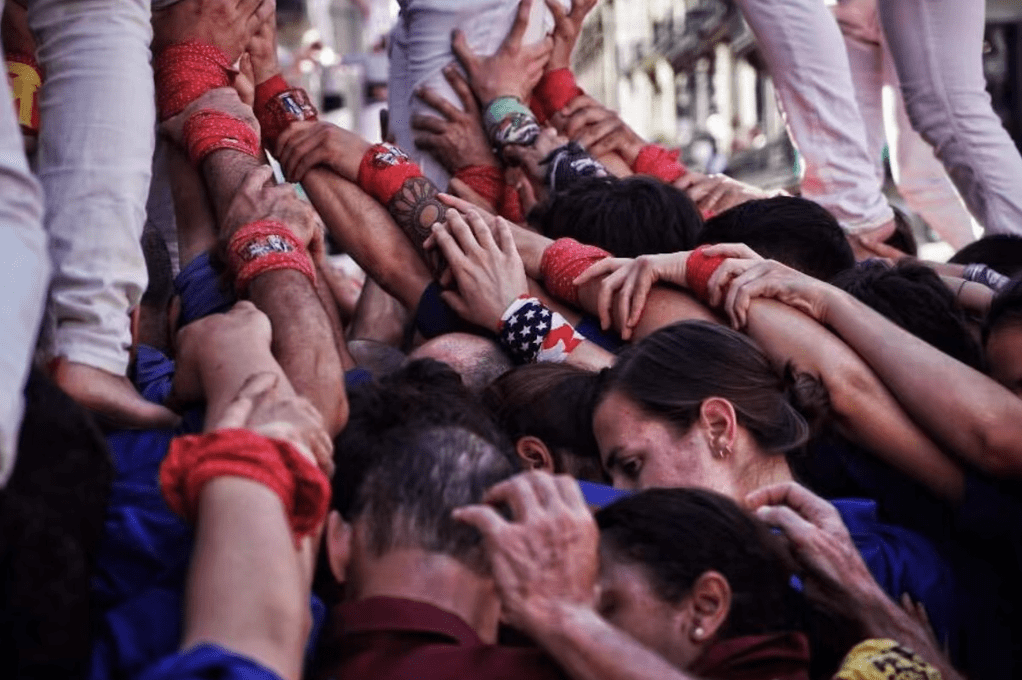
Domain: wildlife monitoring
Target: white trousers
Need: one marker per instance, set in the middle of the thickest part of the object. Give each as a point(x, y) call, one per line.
point(919, 175)
point(936, 49)
point(96, 141)
point(24, 276)
point(420, 47)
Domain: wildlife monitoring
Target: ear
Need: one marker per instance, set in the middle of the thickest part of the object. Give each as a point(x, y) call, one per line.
point(719, 421)
point(338, 545)
point(534, 454)
point(709, 603)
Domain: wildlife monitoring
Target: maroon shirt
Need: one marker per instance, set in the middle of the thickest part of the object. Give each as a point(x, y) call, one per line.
point(388, 638)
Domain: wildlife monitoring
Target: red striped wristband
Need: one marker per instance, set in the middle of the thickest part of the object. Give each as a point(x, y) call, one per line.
point(698, 270)
point(383, 170)
point(209, 130)
point(185, 72)
point(658, 162)
point(262, 247)
point(563, 262)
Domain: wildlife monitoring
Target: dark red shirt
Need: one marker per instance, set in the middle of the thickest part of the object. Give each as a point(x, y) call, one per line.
point(387, 638)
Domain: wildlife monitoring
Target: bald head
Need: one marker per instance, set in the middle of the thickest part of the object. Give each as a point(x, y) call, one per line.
point(479, 361)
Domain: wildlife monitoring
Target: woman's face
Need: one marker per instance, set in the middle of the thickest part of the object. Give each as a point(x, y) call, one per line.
point(641, 451)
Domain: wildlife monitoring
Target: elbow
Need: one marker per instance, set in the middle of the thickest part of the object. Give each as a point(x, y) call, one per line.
point(851, 385)
point(1000, 448)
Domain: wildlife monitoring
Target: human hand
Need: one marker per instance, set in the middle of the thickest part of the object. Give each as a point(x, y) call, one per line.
point(544, 560)
point(530, 158)
point(306, 144)
point(623, 293)
point(738, 282)
point(599, 129)
point(870, 243)
point(258, 199)
point(513, 71)
point(713, 194)
point(484, 266)
point(260, 407)
point(226, 24)
point(224, 99)
point(464, 192)
point(567, 29)
point(262, 50)
point(456, 140)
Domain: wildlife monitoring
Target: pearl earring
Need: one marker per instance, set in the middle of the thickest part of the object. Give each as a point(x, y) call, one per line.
point(699, 633)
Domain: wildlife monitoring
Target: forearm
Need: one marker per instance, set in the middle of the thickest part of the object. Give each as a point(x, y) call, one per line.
point(589, 648)
point(865, 410)
point(304, 342)
point(362, 227)
point(968, 412)
point(246, 589)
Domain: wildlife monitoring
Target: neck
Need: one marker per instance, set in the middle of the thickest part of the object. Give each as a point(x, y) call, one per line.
point(763, 470)
point(439, 580)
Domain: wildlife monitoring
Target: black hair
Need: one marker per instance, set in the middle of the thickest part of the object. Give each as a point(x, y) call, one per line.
point(551, 402)
point(628, 217)
point(794, 231)
point(1000, 252)
point(914, 297)
point(416, 446)
point(677, 535)
point(671, 372)
point(1005, 309)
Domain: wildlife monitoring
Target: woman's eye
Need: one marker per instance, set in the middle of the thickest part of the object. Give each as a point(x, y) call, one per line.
point(630, 468)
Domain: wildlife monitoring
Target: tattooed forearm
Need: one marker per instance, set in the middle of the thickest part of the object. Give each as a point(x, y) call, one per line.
point(416, 208)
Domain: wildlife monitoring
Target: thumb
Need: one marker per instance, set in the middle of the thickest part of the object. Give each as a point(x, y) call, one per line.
point(482, 517)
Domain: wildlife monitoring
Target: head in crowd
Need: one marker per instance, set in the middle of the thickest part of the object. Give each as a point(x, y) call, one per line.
point(682, 570)
point(697, 404)
point(914, 297)
point(477, 360)
point(544, 409)
point(378, 358)
point(628, 217)
point(417, 445)
point(1000, 252)
point(1002, 337)
point(794, 231)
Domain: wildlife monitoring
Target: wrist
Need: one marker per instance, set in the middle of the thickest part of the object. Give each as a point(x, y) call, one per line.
point(552, 622)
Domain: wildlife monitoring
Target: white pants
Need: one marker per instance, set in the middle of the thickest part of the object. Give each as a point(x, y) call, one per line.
point(24, 276)
point(420, 47)
point(937, 47)
point(96, 140)
point(919, 175)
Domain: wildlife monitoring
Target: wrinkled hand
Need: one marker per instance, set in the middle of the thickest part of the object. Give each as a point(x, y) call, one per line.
point(226, 24)
point(738, 282)
point(545, 559)
point(457, 140)
point(599, 129)
point(306, 144)
point(867, 244)
point(713, 194)
point(224, 99)
point(262, 51)
point(567, 29)
point(484, 265)
point(835, 575)
point(257, 199)
point(514, 70)
point(260, 408)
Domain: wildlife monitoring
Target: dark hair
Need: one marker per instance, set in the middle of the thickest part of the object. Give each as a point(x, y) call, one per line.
point(795, 231)
point(1006, 308)
point(417, 445)
point(672, 371)
point(551, 402)
point(914, 297)
point(677, 535)
point(902, 238)
point(1000, 252)
point(628, 217)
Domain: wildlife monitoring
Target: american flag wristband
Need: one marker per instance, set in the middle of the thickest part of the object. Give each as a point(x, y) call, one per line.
point(531, 333)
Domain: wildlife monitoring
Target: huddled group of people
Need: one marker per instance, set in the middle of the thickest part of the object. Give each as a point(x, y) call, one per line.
point(579, 411)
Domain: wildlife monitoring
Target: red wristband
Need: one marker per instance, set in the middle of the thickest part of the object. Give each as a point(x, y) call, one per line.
point(553, 92)
point(185, 72)
point(208, 130)
point(25, 78)
point(563, 262)
point(262, 247)
point(485, 180)
point(196, 459)
point(657, 161)
point(383, 170)
point(698, 270)
point(277, 105)
point(511, 205)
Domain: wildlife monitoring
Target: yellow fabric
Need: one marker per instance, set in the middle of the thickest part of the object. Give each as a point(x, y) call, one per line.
point(884, 660)
point(25, 81)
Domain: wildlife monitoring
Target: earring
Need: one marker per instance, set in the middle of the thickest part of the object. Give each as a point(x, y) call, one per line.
point(698, 633)
point(721, 451)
